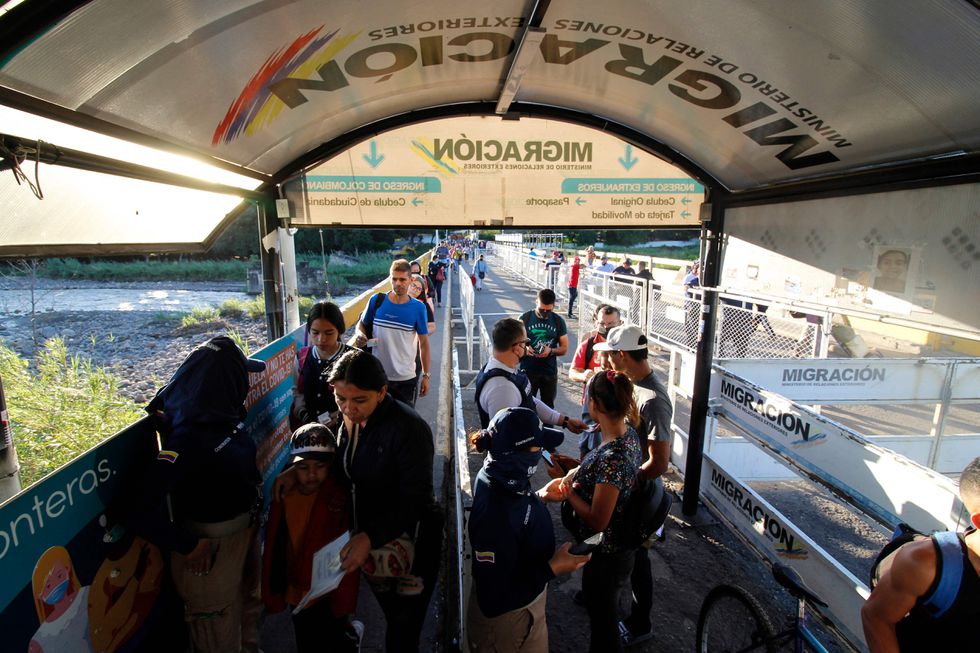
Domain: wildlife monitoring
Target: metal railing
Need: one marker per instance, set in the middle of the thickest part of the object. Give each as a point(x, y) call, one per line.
point(755, 330)
point(749, 327)
point(463, 504)
point(467, 304)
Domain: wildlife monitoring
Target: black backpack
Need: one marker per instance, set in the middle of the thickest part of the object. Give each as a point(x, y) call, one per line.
point(949, 567)
point(368, 321)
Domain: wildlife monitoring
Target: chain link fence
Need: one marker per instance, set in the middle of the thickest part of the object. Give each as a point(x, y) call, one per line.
point(747, 327)
point(752, 330)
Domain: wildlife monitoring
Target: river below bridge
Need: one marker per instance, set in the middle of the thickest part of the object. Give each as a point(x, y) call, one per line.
point(134, 328)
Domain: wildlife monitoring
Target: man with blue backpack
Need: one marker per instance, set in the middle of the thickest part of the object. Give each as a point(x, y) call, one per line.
point(927, 595)
point(394, 326)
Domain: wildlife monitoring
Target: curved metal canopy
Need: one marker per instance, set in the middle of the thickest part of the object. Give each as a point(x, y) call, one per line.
point(745, 95)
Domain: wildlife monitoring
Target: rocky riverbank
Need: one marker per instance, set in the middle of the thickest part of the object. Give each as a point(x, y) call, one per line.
point(142, 348)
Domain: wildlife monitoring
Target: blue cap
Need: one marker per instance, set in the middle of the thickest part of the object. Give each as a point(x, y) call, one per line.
point(518, 428)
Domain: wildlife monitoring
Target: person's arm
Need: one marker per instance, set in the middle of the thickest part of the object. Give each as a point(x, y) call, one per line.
point(656, 464)
point(597, 514)
point(424, 355)
point(562, 347)
point(579, 370)
point(499, 393)
point(580, 375)
point(147, 513)
point(430, 316)
point(910, 576)
point(549, 415)
point(494, 578)
point(657, 413)
point(359, 339)
point(411, 490)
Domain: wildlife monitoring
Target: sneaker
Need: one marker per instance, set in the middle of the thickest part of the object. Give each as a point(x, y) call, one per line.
point(358, 627)
point(628, 638)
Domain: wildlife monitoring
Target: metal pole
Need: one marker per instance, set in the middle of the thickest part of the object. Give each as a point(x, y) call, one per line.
point(9, 467)
point(939, 416)
point(270, 272)
point(710, 275)
point(287, 256)
point(323, 254)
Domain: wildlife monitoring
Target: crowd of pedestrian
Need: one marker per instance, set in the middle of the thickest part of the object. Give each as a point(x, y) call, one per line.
point(359, 481)
point(624, 446)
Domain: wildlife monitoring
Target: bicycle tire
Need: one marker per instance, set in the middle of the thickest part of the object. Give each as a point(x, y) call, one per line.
point(732, 621)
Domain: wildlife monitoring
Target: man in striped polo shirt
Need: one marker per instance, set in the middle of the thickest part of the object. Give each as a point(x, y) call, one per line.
point(398, 328)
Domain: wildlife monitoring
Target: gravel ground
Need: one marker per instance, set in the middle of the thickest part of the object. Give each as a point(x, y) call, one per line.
point(142, 348)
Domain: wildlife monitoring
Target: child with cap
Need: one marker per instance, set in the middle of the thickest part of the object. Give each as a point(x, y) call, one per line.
point(314, 512)
point(512, 537)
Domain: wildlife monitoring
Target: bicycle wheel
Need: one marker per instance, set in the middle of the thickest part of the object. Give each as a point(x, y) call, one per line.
point(732, 621)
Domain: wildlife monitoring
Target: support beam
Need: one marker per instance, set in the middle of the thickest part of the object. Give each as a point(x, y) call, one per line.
point(9, 467)
point(22, 148)
point(43, 109)
point(527, 51)
point(713, 234)
point(271, 276)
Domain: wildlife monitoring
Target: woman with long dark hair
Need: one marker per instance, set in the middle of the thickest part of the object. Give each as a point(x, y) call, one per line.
point(313, 399)
point(598, 490)
point(386, 451)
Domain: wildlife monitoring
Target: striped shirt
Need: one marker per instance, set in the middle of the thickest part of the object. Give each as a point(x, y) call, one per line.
point(397, 328)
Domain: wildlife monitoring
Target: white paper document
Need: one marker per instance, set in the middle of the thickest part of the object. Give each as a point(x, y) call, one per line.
point(326, 571)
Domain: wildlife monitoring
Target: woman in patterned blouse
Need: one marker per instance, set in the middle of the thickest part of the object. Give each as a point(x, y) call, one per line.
point(598, 490)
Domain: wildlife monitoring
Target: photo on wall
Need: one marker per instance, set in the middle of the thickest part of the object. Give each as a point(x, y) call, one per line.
point(893, 269)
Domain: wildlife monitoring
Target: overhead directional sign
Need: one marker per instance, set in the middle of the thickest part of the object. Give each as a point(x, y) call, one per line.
point(485, 171)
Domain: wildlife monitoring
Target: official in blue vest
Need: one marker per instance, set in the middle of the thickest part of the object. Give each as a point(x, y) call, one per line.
point(513, 538)
point(501, 385)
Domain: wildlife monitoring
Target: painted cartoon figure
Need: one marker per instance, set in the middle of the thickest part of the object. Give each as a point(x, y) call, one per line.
point(123, 592)
point(61, 603)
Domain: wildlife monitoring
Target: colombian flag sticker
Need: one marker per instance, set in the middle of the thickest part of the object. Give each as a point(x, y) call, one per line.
point(484, 556)
point(169, 456)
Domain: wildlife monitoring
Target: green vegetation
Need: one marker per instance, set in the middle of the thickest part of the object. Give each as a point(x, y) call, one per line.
point(60, 410)
point(239, 239)
point(153, 270)
point(341, 273)
point(255, 307)
point(232, 308)
point(239, 340)
point(200, 315)
point(688, 253)
point(368, 268)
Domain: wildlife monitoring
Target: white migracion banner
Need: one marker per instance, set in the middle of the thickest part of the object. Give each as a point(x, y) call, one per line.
point(844, 380)
point(778, 539)
point(883, 484)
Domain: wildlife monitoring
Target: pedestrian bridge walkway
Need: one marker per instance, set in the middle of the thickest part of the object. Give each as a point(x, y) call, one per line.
point(776, 435)
point(805, 453)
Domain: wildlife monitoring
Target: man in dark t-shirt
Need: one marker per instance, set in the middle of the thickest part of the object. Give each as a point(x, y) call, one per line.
point(548, 339)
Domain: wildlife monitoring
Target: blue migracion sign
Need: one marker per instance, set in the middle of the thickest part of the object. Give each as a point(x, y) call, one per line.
point(349, 183)
point(625, 185)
